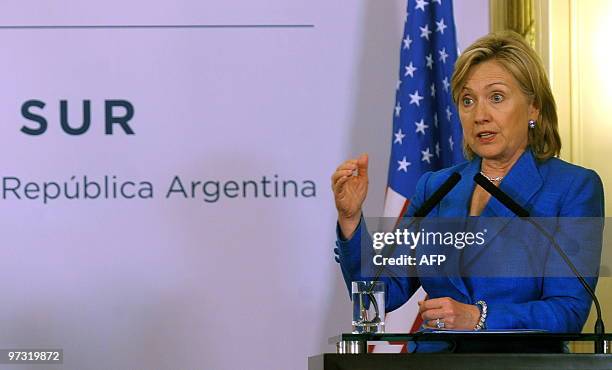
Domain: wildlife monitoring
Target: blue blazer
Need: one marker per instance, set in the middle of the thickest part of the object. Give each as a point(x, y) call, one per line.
point(552, 188)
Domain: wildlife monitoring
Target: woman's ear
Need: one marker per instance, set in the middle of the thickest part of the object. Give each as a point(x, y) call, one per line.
point(534, 111)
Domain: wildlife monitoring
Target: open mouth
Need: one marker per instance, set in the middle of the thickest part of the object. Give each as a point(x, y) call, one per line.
point(486, 136)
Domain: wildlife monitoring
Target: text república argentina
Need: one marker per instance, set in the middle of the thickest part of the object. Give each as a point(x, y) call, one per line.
point(114, 187)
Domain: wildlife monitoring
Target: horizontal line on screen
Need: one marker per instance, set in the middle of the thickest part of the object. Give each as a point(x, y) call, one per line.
point(152, 26)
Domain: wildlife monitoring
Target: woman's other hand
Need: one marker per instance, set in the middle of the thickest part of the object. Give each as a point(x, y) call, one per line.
point(453, 314)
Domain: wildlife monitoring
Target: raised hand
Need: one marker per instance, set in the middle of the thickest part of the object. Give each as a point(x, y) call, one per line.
point(350, 187)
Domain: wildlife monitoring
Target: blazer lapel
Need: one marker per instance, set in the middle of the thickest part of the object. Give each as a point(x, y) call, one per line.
point(521, 184)
point(457, 202)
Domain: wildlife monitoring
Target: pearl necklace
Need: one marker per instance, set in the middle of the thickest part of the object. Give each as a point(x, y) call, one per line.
point(492, 179)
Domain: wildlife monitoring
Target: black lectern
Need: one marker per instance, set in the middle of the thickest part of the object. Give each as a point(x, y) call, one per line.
point(471, 351)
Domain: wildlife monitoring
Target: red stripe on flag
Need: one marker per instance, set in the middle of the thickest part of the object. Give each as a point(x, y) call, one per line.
point(403, 344)
point(418, 321)
point(404, 209)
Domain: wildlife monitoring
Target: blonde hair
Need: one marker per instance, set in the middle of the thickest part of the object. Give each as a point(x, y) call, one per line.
point(511, 51)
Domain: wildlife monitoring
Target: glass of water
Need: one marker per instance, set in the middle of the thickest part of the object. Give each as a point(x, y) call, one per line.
point(368, 306)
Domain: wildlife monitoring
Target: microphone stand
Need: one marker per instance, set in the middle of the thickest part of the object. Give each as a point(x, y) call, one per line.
point(601, 345)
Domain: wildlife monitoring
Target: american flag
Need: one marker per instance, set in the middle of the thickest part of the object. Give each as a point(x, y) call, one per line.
point(427, 133)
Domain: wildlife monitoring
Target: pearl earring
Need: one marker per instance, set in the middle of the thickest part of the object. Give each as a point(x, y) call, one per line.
point(532, 124)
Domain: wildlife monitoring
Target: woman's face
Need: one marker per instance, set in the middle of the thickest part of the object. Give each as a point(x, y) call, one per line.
point(494, 113)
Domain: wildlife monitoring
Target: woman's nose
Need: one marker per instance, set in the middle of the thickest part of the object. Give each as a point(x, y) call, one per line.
point(481, 112)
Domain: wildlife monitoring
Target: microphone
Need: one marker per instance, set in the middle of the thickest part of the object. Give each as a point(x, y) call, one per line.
point(521, 212)
point(425, 208)
point(422, 211)
point(437, 196)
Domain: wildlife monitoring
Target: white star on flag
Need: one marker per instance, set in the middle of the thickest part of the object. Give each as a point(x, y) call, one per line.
point(429, 59)
point(407, 42)
point(403, 165)
point(437, 1)
point(399, 136)
point(445, 83)
point(426, 156)
point(415, 98)
point(449, 114)
point(421, 126)
point(410, 70)
point(421, 4)
point(436, 119)
point(397, 86)
point(451, 143)
point(433, 90)
point(440, 26)
point(443, 55)
point(438, 150)
point(425, 32)
point(398, 109)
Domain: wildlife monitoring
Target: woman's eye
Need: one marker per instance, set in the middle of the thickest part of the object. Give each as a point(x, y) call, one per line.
point(497, 98)
point(467, 101)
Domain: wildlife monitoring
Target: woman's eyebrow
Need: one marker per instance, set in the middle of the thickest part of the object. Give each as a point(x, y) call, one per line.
point(498, 83)
point(487, 85)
